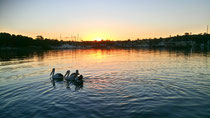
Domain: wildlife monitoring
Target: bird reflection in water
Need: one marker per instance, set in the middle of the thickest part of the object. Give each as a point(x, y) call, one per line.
point(78, 83)
point(78, 86)
point(70, 85)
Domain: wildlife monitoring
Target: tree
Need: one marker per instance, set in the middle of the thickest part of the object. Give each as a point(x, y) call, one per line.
point(39, 37)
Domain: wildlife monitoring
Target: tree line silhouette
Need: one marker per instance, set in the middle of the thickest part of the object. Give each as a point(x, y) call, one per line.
point(19, 41)
point(8, 40)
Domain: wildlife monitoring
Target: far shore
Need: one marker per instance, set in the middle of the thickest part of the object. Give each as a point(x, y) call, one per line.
point(186, 41)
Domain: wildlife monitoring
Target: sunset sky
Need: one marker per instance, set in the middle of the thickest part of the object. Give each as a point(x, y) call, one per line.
point(104, 19)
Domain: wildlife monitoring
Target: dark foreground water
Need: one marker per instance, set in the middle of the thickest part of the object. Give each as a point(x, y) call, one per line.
point(118, 83)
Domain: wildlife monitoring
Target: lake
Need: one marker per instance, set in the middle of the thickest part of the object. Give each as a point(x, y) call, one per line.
point(117, 83)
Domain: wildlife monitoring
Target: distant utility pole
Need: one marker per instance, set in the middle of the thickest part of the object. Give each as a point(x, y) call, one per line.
point(207, 29)
point(77, 37)
point(72, 38)
point(60, 37)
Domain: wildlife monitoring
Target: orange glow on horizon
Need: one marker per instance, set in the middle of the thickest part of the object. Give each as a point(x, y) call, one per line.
point(94, 35)
point(97, 36)
point(97, 39)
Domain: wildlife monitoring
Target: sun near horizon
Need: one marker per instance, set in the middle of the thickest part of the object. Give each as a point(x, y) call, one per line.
point(97, 39)
point(98, 36)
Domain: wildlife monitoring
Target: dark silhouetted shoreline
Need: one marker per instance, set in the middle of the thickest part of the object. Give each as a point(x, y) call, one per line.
point(11, 41)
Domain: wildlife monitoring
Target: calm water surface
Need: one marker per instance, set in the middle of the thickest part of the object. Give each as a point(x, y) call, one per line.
point(118, 83)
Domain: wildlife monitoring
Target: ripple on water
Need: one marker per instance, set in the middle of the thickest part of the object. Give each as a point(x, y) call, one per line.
point(118, 83)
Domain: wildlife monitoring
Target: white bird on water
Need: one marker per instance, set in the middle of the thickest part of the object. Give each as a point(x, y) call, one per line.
point(57, 76)
point(72, 77)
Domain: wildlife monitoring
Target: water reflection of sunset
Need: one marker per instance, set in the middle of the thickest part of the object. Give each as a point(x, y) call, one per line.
point(125, 78)
point(97, 54)
point(94, 62)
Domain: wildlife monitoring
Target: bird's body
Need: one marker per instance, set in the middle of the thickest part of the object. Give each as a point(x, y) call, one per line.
point(72, 77)
point(57, 76)
point(79, 79)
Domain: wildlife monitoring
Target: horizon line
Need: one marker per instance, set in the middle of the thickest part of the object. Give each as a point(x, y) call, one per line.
point(189, 33)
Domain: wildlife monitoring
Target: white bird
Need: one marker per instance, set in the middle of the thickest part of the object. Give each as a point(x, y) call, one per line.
point(72, 77)
point(79, 79)
point(57, 76)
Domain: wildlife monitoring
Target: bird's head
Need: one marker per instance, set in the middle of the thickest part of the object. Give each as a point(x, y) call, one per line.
point(80, 77)
point(77, 72)
point(67, 73)
point(53, 71)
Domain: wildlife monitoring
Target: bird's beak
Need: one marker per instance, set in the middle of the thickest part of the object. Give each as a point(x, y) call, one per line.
point(52, 72)
point(67, 73)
